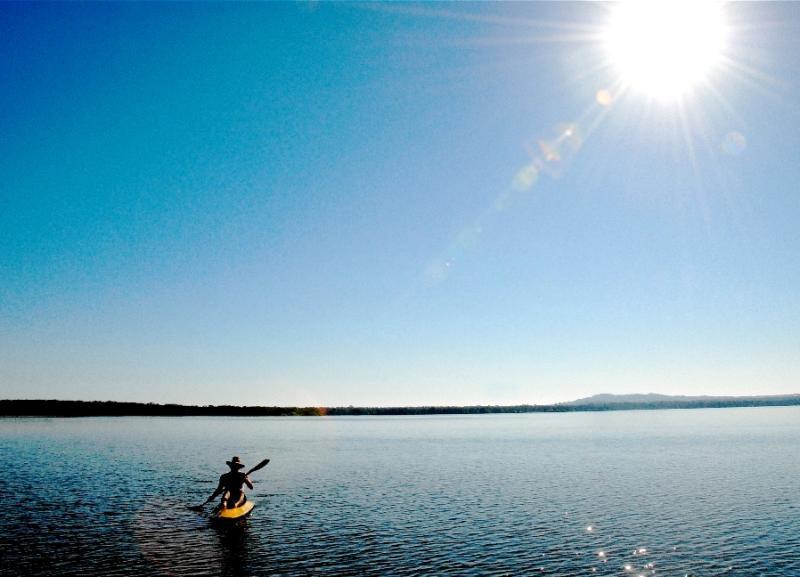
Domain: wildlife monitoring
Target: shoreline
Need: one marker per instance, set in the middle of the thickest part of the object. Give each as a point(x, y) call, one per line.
point(58, 408)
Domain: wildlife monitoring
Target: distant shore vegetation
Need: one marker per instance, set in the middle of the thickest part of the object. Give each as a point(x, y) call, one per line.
point(61, 408)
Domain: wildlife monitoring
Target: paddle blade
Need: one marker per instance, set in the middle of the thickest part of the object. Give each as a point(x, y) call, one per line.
point(196, 508)
point(261, 465)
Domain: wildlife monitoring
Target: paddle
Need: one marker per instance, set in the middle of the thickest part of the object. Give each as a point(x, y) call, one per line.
point(261, 465)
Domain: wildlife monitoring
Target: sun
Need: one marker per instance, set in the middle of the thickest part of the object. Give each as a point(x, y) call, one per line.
point(665, 49)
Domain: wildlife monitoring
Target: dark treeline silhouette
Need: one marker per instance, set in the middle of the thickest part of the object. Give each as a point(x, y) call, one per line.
point(55, 408)
point(445, 410)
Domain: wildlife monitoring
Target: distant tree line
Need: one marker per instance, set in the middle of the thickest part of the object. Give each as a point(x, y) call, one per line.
point(56, 408)
point(53, 408)
point(446, 410)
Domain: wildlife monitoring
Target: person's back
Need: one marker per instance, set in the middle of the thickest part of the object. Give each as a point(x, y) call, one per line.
point(233, 482)
point(230, 485)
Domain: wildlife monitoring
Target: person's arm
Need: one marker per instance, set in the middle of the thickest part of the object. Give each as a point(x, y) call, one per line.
point(248, 482)
point(218, 491)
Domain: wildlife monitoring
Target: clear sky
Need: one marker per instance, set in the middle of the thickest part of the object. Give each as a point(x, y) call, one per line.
point(333, 204)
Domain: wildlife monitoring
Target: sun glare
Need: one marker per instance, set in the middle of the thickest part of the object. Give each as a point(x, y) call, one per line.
point(664, 48)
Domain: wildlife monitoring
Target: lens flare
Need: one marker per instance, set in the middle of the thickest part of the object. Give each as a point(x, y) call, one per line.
point(734, 143)
point(604, 98)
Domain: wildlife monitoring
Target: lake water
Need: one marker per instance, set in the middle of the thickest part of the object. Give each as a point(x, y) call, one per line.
point(683, 492)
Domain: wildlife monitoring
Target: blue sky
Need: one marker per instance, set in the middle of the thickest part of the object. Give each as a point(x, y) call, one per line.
point(316, 204)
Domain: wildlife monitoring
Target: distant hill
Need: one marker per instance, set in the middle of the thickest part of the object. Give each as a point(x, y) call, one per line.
point(678, 401)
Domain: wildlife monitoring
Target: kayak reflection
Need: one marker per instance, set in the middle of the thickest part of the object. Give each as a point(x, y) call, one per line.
point(235, 544)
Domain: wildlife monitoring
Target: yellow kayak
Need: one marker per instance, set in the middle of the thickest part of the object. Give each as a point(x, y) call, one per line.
point(233, 514)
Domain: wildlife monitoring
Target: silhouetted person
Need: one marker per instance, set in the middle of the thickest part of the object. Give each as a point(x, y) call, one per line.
point(230, 484)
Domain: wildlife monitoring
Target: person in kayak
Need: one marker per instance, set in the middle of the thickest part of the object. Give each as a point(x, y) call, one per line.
point(230, 485)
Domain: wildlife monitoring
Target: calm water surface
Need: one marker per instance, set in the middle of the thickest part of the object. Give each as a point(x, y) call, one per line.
point(691, 492)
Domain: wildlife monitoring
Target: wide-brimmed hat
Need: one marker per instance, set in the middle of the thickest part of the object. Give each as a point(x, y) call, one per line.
point(234, 462)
